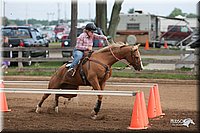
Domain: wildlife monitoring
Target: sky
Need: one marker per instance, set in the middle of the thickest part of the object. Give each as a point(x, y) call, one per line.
point(48, 9)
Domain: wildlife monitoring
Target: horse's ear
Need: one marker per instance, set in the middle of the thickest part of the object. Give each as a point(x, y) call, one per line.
point(138, 45)
point(126, 43)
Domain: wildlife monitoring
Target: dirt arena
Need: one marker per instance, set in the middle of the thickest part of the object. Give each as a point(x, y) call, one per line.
point(179, 100)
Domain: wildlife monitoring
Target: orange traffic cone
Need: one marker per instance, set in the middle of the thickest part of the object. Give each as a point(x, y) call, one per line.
point(144, 110)
point(137, 121)
point(147, 45)
point(157, 101)
point(165, 45)
point(3, 102)
point(151, 110)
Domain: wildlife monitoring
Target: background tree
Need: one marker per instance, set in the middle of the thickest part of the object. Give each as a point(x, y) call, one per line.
point(5, 21)
point(101, 14)
point(114, 20)
point(74, 14)
point(176, 12)
point(131, 10)
point(191, 15)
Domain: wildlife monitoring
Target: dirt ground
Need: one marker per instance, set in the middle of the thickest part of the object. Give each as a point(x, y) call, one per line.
point(178, 101)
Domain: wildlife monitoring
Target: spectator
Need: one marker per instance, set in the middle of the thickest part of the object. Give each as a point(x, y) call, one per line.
point(4, 66)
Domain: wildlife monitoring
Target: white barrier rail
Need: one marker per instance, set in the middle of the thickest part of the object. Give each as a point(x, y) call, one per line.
point(107, 83)
point(59, 91)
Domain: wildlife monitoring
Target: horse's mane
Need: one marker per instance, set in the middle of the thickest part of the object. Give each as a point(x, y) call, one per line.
point(112, 45)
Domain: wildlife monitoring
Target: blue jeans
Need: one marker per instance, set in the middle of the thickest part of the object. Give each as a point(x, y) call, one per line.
point(77, 54)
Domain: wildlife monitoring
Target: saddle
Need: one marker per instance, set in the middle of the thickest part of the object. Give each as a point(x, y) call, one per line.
point(86, 58)
point(87, 55)
point(82, 62)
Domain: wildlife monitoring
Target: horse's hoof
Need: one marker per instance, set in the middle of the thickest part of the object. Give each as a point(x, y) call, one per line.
point(56, 109)
point(93, 115)
point(38, 109)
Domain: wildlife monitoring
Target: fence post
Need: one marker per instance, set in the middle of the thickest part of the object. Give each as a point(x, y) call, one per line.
point(20, 64)
point(196, 64)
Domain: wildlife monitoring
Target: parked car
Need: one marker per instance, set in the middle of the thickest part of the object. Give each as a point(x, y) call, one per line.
point(24, 36)
point(96, 43)
point(60, 31)
point(48, 34)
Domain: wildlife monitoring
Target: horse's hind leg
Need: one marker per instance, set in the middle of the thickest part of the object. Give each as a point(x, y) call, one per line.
point(45, 96)
point(56, 103)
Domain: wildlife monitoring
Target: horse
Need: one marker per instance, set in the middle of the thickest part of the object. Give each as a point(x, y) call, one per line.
point(97, 70)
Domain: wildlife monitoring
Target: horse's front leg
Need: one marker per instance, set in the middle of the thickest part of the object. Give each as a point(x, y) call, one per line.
point(99, 101)
point(97, 107)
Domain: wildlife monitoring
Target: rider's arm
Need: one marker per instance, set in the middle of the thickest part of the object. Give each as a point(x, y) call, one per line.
point(96, 36)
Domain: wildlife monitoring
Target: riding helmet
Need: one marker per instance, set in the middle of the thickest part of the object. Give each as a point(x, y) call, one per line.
point(90, 27)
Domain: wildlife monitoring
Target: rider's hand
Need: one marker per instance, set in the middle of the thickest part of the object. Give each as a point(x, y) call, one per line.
point(90, 48)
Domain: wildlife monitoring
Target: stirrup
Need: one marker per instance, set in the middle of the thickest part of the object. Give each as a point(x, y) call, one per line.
point(70, 69)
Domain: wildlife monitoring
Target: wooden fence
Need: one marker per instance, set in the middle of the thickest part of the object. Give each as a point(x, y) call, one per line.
point(155, 52)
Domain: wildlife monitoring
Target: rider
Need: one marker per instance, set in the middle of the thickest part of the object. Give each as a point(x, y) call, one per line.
point(84, 43)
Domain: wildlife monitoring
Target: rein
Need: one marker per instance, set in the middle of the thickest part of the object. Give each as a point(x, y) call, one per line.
point(118, 58)
point(107, 69)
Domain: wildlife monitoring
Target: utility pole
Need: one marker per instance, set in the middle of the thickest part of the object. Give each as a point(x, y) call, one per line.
point(65, 13)
point(89, 11)
point(58, 12)
point(74, 13)
point(4, 13)
point(26, 14)
point(48, 18)
point(4, 9)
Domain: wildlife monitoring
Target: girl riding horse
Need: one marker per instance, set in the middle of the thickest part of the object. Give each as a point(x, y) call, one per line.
point(97, 71)
point(84, 43)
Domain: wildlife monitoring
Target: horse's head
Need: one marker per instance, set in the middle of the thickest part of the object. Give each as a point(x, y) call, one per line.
point(134, 58)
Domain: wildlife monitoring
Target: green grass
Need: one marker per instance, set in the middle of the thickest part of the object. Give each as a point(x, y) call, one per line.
point(28, 73)
point(36, 71)
point(55, 45)
point(46, 65)
point(119, 64)
point(185, 69)
point(153, 75)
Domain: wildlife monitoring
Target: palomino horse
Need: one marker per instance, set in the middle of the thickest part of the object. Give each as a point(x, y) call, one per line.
point(97, 71)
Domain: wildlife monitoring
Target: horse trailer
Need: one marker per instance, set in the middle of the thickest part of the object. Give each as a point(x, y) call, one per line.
point(143, 26)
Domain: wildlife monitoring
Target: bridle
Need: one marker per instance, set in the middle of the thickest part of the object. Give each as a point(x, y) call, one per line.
point(132, 55)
